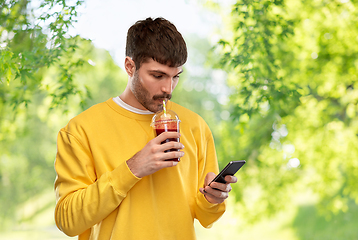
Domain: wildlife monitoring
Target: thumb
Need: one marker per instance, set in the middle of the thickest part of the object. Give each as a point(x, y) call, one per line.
point(208, 178)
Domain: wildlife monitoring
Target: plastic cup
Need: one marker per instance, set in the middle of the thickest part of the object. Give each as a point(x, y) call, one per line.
point(167, 122)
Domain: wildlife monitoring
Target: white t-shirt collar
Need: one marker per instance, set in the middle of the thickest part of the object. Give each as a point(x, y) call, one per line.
point(128, 107)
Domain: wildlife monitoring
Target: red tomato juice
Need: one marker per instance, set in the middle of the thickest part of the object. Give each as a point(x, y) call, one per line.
point(161, 130)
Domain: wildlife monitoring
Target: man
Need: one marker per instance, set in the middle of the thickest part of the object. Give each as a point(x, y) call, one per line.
point(114, 180)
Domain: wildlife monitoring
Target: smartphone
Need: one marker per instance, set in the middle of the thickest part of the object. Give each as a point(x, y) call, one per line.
point(230, 169)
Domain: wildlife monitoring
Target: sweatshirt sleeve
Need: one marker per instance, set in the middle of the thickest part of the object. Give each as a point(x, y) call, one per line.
point(82, 199)
point(206, 212)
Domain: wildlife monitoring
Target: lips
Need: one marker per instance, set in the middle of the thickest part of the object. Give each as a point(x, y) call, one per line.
point(162, 97)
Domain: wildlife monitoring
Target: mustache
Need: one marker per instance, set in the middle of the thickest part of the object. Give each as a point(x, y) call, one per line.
point(168, 96)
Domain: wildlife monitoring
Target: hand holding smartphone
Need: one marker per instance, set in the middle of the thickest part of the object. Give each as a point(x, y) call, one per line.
point(230, 169)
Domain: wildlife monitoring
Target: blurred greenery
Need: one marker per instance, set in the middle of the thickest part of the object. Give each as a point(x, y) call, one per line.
point(27, 164)
point(279, 90)
point(293, 70)
point(310, 224)
point(33, 36)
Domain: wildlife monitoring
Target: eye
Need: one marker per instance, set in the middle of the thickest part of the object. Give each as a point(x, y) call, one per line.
point(158, 76)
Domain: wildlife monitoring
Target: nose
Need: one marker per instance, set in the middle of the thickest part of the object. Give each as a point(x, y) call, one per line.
point(167, 86)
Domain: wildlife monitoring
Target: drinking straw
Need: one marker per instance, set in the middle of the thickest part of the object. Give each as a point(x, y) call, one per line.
point(164, 109)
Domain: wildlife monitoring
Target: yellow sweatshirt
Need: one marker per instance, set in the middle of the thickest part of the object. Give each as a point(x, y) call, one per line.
point(98, 197)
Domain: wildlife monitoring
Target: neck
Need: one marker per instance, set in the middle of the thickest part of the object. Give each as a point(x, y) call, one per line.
point(128, 97)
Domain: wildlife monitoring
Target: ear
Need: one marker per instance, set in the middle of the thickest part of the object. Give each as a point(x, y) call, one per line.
point(129, 66)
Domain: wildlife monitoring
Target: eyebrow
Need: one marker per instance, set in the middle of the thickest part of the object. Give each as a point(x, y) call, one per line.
point(163, 73)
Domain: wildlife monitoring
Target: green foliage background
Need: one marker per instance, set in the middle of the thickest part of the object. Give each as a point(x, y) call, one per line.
point(293, 67)
point(279, 90)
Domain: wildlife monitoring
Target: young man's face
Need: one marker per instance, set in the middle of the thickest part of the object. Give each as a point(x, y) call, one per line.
point(153, 83)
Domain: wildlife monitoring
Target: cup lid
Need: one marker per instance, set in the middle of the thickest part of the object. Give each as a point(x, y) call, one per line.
point(168, 116)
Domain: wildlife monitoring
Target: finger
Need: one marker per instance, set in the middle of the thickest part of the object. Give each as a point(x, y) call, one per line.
point(225, 187)
point(165, 164)
point(202, 190)
point(212, 198)
point(209, 177)
point(230, 179)
point(171, 145)
point(165, 135)
point(173, 155)
point(216, 193)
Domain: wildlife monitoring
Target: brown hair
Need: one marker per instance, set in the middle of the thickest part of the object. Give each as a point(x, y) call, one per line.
point(157, 39)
